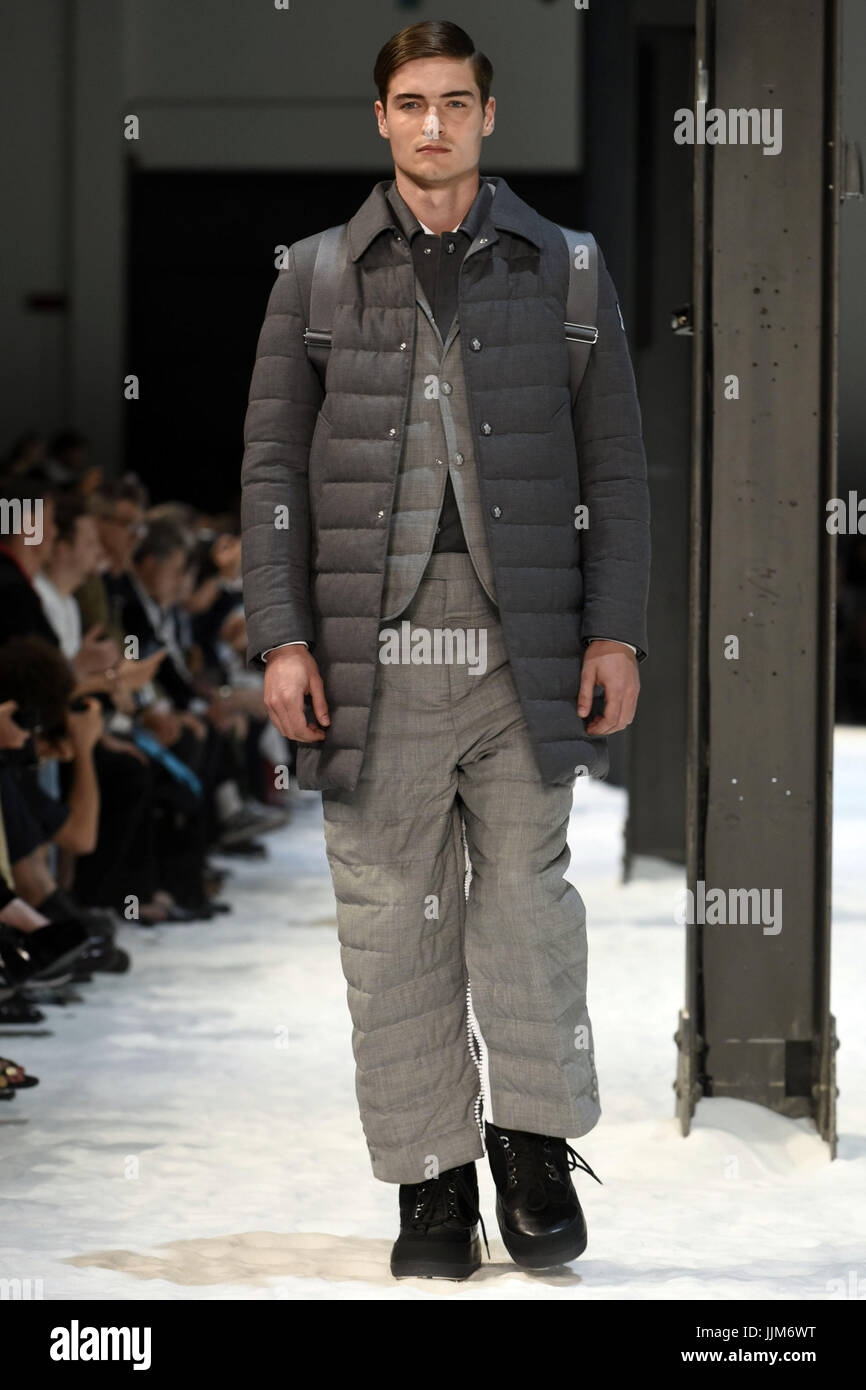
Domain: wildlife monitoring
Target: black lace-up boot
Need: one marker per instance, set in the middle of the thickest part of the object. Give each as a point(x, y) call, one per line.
point(439, 1227)
point(539, 1215)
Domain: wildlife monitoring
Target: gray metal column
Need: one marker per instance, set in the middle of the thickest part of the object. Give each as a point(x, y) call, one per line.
point(757, 1023)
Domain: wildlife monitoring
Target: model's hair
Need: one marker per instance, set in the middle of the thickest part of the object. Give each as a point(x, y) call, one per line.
point(432, 38)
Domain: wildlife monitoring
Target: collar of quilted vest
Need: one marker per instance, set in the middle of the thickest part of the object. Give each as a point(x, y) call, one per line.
point(506, 212)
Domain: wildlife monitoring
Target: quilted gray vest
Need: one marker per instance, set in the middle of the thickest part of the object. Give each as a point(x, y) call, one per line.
point(437, 441)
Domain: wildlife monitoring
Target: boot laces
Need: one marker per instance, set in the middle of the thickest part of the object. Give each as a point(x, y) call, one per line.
point(542, 1160)
point(436, 1203)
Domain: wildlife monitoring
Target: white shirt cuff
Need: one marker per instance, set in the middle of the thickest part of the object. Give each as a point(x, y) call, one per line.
point(280, 645)
point(612, 639)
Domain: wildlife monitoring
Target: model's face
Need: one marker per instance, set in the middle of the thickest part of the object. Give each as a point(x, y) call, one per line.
point(449, 86)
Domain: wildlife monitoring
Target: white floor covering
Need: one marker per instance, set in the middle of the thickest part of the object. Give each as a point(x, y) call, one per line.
point(195, 1133)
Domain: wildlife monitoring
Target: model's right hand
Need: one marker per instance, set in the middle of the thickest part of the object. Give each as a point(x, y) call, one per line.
point(290, 674)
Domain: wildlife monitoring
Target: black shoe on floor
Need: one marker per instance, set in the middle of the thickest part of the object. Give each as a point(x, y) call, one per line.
point(439, 1227)
point(99, 922)
point(19, 1009)
point(43, 954)
point(540, 1218)
point(100, 956)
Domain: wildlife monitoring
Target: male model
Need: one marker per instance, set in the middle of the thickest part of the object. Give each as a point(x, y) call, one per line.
point(433, 599)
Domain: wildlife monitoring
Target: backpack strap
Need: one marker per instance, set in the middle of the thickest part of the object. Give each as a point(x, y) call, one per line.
point(320, 263)
point(581, 308)
point(320, 282)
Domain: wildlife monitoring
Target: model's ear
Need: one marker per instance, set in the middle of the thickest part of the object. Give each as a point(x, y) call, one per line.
point(381, 119)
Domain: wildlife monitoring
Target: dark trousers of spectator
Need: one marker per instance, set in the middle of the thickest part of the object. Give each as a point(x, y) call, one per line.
point(152, 832)
point(124, 863)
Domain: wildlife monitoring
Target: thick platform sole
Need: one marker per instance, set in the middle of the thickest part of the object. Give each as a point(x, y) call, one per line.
point(544, 1252)
point(416, 1262)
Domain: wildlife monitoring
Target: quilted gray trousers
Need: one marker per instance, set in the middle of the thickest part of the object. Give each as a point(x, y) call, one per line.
point(463, 946)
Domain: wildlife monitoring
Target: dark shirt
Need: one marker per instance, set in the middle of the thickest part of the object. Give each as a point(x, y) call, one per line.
point(137, 622)
point(21, 611)
point(437, 262)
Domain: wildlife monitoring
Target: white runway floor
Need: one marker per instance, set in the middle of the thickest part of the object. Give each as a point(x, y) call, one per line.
point(195, 1133)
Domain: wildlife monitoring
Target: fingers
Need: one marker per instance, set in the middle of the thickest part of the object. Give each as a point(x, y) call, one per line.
point(621, 693)
point(320, 704)
point(607, 722)
point(293, 727)
point(290, 721)
point(587, 686)
point(618, 713)
point(285, 706)
point(291, 674)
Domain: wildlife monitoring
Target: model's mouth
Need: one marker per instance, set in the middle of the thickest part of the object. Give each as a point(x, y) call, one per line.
point(434, 149)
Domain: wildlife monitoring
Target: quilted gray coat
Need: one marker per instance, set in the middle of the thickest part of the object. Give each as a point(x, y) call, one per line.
point(333, 458)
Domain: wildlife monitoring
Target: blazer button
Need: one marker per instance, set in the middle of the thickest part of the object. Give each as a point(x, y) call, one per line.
point(458, 459)
point(475, 345)
point(403, 347)
point(496, 511)
point(445, 387)
point(392, 432)
point(485, 428)
point(380, 515)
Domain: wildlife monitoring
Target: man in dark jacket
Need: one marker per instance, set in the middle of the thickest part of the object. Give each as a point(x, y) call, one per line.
point(414, 568)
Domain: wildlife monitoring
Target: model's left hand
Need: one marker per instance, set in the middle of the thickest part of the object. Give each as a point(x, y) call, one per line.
point(614, 666)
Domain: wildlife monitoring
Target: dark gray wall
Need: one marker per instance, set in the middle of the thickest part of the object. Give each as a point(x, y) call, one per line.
point(223, 86)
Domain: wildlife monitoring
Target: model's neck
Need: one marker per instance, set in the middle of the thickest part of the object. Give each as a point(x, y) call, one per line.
point(440, 209)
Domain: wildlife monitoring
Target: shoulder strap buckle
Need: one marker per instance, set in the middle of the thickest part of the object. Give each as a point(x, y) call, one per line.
point(581, 308)
point(324, 284)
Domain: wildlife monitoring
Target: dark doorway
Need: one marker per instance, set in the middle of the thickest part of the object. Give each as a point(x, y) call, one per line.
point(201, 268)
point(639, 199)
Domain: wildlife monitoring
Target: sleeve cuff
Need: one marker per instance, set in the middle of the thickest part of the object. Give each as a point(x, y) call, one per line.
point(587, 640)
point(265, 654)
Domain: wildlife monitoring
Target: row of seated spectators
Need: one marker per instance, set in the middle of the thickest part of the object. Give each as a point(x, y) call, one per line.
point(134, 741)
